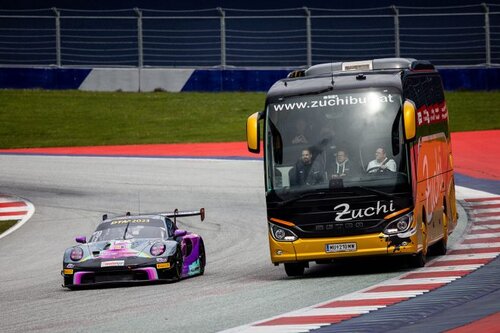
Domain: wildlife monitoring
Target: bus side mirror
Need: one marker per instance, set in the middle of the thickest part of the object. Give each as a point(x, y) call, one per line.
point(409, 119)
point(253, 133)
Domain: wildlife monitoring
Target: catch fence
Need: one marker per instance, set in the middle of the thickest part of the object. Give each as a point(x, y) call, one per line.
point(222, 37)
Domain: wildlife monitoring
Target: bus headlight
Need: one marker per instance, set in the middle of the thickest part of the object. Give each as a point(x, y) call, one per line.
point(282, 234)
point(399, 225)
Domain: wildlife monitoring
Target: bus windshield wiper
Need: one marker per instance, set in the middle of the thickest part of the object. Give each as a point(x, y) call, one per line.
point(302, 196)
point(382, 193)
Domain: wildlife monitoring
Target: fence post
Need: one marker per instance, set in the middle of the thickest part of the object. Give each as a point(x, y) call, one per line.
point(308, 37)
point(222, 37)
point(487, 34)
point(58, 36)
point(139, 38)
point(397, 45)
point(140, 62)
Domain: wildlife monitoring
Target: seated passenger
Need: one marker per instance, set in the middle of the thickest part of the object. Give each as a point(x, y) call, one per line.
point(342, 166)
point(306, 172)
point(301, 135)
point(381, 163)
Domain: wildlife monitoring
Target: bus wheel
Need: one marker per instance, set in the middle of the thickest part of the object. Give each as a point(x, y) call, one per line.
point(419, 259)
point(441, 247)
point(294, 269)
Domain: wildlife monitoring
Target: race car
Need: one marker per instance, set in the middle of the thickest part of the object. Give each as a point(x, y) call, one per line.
point(134, 248)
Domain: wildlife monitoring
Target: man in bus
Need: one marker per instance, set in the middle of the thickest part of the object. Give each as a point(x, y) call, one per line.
point(306, 172)
point(381, 163)
point(342, 166)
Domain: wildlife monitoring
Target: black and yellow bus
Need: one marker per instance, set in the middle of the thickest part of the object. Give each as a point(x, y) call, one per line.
point(358, 162)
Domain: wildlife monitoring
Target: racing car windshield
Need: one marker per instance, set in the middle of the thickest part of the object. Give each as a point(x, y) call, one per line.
point(129, 229)
point(346, 139)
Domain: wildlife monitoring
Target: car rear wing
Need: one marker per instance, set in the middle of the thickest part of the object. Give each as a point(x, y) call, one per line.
point(176, 213)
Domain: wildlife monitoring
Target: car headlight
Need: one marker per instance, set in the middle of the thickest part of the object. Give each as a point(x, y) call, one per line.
point(282, 234)
point(399, 225)
point(157, 249)
point(76, 253)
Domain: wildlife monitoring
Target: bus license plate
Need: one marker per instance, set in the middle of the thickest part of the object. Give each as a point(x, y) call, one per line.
point(341, 247)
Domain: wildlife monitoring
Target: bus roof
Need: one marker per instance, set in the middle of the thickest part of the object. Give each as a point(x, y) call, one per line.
point(369, 65)
point(346, 75)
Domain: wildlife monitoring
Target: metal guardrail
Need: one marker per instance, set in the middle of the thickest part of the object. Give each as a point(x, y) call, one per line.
point(222, 37)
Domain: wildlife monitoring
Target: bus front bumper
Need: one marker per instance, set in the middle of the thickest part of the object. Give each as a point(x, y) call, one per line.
point(304, 250)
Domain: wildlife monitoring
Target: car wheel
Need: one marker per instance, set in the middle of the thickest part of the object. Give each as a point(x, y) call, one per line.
point(68, 281)
point(202, 257)
point(294, 269)
point(178, 262)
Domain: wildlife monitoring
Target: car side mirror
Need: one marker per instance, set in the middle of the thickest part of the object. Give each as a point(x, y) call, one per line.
point(180, 233)
point(81, 239)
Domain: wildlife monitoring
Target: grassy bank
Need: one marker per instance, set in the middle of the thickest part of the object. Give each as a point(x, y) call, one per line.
point(4, 225)
point(37, 118)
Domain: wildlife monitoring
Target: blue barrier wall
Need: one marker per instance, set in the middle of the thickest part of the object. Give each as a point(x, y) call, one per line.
point(217, 80)
point(42, 78)
point(471, 78)
point(233, 80)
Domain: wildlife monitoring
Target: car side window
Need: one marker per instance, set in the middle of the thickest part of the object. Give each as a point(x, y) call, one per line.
point(170, 227)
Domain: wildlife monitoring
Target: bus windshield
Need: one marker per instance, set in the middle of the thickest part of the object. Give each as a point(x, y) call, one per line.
point(343, 139)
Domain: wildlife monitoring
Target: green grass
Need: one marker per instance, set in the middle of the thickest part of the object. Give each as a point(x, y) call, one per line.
point(4, 225)
point(35, 118)
point(471, 111)
point(38, 118)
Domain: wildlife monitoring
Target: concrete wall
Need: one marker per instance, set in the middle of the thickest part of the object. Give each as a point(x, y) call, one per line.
point(211, 80)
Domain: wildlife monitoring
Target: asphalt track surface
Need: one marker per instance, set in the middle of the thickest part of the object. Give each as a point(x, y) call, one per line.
point(240, 285)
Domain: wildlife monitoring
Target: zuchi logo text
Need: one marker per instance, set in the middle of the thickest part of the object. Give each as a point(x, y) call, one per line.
point(344, 212)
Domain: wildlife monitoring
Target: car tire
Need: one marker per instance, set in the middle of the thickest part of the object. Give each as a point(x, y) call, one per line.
point(68, 281)
point(178, 266)
point(202, 257)
point(294, 269)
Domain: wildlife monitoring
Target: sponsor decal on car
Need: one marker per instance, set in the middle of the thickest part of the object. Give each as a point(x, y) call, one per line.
point(68, 271)
point(113, 263)
point(161, 259)
point(195, 267)
point(130, 221)
point(163, 265)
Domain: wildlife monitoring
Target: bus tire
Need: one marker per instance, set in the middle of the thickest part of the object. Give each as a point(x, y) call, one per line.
point(294, 269)
point(419, 259)
point(441, 246)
